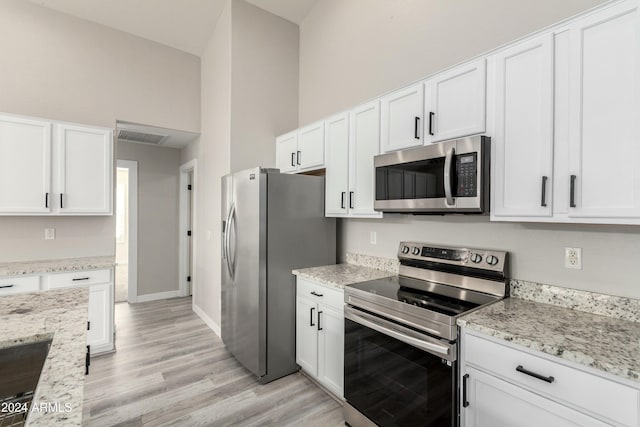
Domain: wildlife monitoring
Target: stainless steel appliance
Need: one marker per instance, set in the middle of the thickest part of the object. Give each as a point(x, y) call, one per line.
point(272, 223)
point(400, 334)
point(447, 177)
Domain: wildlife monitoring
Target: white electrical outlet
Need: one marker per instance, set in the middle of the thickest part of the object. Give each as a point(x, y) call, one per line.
point(49, 234)
point(573, 258)
point(373, 237)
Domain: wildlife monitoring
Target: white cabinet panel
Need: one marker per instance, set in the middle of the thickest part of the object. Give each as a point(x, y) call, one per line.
point(331, 344)
point(25, 165)
point(286, 151)
point(310, 152)
point(605, 113)
point(402, 115)
point(85, 168)
point(19, 285)
point(307, 335)
point(455, 103)
point(100, 333)
point(364, 145)
point(497, 403)
point(337, 165)
point(523, 128)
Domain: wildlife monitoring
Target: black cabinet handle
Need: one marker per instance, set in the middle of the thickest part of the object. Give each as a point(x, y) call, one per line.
point(46, 200)
point(6, 286)
point(79, 278)
point(315, 294)
point(572, 191)
point(87, 360)
point(431, 114)
point(298, 157)
point(416, 122)
point(465, 402)
point(319, 327)
point(293, 162)
point(88, 326)
point(534, 375)
point(350, 199)
point(344, 193)
point(543, 202)
point(61, 201)
point(311, 317)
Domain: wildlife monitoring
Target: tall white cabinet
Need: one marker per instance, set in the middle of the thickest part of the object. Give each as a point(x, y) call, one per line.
point(53, 168)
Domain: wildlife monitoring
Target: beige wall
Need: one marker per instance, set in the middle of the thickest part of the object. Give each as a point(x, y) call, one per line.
point(264, 84)
point(158, 187)
point(347, 56)
point(249, 95)
point(59, 67)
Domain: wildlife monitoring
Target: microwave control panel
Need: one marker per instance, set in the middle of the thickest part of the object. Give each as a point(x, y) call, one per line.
point(467, 175)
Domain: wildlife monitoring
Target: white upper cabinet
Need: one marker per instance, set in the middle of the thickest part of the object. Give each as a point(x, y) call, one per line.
point(85, 168)
point(337, 167)
point(301, 150)
point(286, 152)
point(402, 119)
point(25, 166)
point(522, 137)
point(364, 143)
point(455, 103)
point(604, 125)
point(54, 168)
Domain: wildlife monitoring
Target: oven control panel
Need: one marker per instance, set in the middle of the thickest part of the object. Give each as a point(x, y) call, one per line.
point(476, 258)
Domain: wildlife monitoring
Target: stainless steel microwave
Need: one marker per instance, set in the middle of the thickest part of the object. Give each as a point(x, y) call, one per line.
point(446, 177)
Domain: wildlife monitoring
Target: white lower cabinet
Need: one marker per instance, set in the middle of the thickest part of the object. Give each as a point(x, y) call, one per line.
point(320, 334)
point(507, 385)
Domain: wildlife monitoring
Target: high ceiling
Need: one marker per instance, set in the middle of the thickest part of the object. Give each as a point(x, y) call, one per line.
point(182, 24)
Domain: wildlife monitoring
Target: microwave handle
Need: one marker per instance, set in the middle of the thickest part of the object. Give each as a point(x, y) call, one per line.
point(448, 192)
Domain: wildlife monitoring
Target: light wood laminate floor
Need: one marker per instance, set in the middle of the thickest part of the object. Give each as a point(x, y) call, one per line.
point(171, 369)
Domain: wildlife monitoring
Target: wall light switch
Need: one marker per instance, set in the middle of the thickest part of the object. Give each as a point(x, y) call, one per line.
point(49, 234)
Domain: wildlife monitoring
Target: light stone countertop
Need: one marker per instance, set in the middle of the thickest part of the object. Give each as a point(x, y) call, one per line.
point(604, 343)
point(340, 275)
point(60, 315)
point(21, 268)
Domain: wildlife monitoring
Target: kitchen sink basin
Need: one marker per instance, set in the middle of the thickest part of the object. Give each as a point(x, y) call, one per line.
point(20, 368)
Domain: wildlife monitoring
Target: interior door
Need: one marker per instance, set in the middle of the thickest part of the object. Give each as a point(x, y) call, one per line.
point(247, 251)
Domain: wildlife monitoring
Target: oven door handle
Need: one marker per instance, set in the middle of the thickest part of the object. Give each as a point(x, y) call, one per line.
point(448, 191)
point(383, 327)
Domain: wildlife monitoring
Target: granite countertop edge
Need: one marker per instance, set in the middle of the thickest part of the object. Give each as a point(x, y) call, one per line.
point(340, 275)
point(614, 358)
point(25, 268)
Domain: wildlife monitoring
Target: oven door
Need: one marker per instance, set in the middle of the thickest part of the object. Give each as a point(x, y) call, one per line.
point(398, 377)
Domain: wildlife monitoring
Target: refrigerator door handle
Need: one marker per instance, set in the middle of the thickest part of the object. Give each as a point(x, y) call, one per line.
point(231, 258)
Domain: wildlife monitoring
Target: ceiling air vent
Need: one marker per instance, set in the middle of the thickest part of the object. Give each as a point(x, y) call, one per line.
point(141, 137)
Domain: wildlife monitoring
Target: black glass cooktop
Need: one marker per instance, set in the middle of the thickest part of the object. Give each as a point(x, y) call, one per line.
point(404, 290)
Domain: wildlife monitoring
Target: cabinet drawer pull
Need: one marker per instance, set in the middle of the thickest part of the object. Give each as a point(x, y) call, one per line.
point(61, 201)
point(319, 327)
point(293, 161)
point(77, 279)
point(6, 286)
point(416, 122)
point(465, 402)
point(431, 114)
point(344, 193)
point(572, 191)
point(316, 294)
point(46, 200)
point(311, 317)
point(548, 379)
point(350, 199)
point(543, 202)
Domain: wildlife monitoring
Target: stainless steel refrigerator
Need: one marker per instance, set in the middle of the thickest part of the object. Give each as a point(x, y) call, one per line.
point(272, 223)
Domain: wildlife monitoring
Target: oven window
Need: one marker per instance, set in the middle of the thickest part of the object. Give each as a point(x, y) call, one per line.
point(416, 180)
point(395, 384)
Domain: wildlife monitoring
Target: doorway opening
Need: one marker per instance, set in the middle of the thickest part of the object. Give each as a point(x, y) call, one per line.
point(187, 227)
point(126, 280)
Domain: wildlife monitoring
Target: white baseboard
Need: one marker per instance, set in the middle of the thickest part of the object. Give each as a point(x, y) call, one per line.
point(206, 319)
point(157, 296)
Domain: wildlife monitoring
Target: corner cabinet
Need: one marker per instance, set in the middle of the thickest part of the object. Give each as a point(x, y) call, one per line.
point(301, 150)
point(352, 140)
point(51, 168)
point(507, 385)
point(320, 334)
point(566, 105)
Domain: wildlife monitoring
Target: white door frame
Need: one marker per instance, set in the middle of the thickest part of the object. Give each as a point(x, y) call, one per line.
point(183, 253)
point(132, 280)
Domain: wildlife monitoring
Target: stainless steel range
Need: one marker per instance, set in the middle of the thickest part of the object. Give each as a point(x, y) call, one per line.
point(400, 334)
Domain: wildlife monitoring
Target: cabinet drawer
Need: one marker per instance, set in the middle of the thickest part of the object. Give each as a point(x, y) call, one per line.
point(18, 285)
point(77, 278)
point(321, 294)
point(589, 392)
